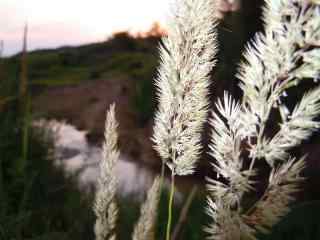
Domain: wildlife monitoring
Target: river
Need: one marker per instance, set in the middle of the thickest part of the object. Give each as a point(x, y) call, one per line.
point(73, 152)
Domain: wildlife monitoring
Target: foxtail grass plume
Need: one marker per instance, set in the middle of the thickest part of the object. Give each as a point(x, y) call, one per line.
point(286, 55)
point(274, 204)
point(145, 227)
point(187, 55)
point(105, 207)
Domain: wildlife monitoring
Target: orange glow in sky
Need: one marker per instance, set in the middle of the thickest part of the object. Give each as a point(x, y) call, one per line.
point(71, 22)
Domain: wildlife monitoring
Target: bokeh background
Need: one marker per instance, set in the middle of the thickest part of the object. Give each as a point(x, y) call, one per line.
point(62, 64)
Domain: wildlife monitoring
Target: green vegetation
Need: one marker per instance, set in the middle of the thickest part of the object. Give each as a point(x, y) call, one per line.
point(41, 202)
point(37, 199)
point(69, 65)
point(120, 56)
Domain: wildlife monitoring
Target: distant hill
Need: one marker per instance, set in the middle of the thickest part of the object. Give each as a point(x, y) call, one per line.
point(121, 56)
point(68, 65)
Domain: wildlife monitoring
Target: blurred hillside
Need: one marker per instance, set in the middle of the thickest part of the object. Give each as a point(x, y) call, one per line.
point(78, 83)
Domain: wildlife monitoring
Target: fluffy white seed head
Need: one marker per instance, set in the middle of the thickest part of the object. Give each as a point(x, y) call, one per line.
point(283, 184)
point(227, 224)
point(226, 148)
point(186, 60)
point(144, 229)
point(287, 54)
point(105, 207)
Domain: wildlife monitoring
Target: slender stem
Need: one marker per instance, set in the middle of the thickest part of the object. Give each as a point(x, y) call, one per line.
point(259, 139)
point(24, 101)
point(25, 129)
point(170, 207)
point(260, 134)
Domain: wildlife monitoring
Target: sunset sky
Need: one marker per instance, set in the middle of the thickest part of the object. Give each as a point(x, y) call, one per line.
point(72, 22)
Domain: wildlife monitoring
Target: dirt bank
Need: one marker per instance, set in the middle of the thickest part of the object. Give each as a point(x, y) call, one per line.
point(85, 105)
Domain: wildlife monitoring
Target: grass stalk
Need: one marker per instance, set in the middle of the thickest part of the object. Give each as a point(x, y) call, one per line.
point(25, 131)
point(170, 207)
point(24, 102)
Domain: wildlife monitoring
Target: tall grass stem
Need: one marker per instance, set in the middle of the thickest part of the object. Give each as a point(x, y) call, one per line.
point(170, 206)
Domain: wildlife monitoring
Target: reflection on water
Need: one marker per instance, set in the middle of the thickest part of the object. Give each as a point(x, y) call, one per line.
point(73, 152)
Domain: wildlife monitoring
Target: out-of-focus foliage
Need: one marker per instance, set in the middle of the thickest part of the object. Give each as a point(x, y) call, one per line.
point(37, 199)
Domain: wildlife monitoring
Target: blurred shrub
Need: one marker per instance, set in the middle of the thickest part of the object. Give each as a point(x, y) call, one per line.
point(38, 201)
point(124, 41)
point(69, 58)
point(42, 200)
